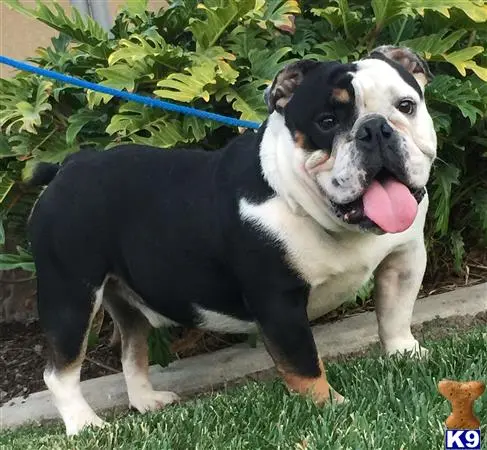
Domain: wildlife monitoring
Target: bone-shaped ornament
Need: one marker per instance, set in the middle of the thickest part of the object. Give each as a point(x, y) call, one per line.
point(462, 396)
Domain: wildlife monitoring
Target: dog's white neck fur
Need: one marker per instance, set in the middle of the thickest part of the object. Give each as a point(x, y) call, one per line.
point(298, 190)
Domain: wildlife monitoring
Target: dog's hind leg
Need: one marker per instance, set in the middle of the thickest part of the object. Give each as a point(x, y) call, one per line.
point(67, 307)
point(134, 330)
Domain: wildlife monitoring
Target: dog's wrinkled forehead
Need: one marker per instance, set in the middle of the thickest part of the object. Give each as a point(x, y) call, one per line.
point(324, 77)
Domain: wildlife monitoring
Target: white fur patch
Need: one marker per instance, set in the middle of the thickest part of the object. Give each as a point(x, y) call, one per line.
point(144, 400)
point(283, 169)
point(214, 321)
point(155, 319)
point(335, 265)
point(66, 389)
point(141, 394)
point(73, 408)
point(133, 299)
point(396, 286)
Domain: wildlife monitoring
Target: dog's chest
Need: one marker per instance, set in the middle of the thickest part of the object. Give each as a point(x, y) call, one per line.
point(335, 267)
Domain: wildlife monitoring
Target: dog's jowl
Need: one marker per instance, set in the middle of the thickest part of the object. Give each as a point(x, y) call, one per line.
point(277, 228)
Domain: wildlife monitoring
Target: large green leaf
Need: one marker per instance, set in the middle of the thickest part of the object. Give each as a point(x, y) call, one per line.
point(26, 114)
point(220, 14)
point(248, 100)
point(49, 146)
point(136, 7)
point(475, 9)
point(277, 12)
point(22, 145)
point(304, 38)
point(342, 16)
point(199, 82)
point(200, 79)
point(80, 119)
point(460, 95)
point(124, 77)
point(141, 124)
point(441, 120)
point(119, 76)
point(457, 250)
point(56, 152)
point(462, 60)
point(479, 204)
point(23, 260)
point(387, 11)
point(242, 40)
point(221, 58)
point(59, 55)
point(82, 29)
point(435, 44)
point(265, 65)
point(198, 128)
point(138, 123)
point(445, 177)
point(6, 185)
point(148, 46)
point(5, 148)
point(338, 50)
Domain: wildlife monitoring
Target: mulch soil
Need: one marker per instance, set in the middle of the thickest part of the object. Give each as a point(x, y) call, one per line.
point(23, 346)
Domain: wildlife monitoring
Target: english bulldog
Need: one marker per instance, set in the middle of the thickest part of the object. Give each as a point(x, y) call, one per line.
point(279, 227)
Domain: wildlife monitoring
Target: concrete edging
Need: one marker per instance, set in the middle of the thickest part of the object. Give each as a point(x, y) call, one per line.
point(210, 371)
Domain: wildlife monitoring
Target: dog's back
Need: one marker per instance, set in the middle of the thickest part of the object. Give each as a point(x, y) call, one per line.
point(138, 214)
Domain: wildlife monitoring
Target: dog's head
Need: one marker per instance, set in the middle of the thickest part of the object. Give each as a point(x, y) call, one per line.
point(358, 135)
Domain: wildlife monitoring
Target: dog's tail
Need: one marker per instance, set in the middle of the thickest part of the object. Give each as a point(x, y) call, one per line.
point(43, 174)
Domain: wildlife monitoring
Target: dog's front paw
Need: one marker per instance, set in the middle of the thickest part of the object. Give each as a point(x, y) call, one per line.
point(151, 400)
point(330, 396)
point(76, 423)
point(337, 397)
point(410, 348)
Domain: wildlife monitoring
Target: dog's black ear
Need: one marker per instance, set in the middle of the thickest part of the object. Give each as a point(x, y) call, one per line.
point(408, 59)
point(278, 94)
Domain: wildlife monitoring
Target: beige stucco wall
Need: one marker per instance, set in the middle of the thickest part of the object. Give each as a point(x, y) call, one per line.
point(20, 35)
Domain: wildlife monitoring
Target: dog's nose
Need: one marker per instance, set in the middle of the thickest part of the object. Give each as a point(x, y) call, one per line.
point(374, 131)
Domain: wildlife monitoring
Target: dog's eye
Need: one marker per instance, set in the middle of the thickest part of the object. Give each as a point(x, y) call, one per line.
point(406, 107)
point(327, 122)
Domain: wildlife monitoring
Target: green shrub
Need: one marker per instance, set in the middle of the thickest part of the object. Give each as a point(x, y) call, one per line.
point(218, 55)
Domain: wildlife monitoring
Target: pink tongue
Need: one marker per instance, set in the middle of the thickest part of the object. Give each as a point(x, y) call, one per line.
point(390, 205)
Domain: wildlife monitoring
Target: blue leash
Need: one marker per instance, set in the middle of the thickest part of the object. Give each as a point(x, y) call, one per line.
point(149, 101)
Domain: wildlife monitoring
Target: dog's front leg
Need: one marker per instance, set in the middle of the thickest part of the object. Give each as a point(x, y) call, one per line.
point(397, 283)
point(288, 338)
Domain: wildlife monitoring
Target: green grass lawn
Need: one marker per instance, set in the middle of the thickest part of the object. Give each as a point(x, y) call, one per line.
point(393, 404)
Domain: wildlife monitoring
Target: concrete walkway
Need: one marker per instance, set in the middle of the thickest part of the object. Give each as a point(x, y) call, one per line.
point(213, 370)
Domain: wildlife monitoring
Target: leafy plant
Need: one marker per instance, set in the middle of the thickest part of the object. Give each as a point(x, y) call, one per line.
point(218, 55)
point(159, 341)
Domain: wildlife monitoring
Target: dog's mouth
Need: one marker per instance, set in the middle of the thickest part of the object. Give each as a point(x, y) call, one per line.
point(387, 204)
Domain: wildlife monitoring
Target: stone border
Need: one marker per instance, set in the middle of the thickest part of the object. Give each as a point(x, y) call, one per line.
point(211, 371)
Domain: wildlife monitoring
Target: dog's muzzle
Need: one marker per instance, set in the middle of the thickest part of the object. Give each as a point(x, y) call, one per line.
point(387, 202)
